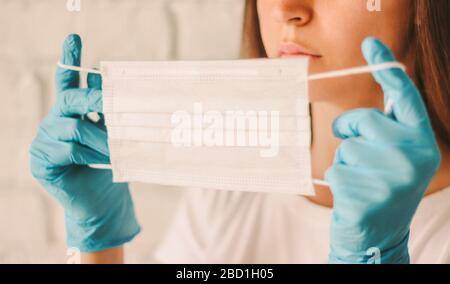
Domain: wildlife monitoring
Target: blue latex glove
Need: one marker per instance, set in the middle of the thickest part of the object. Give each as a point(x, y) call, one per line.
point(98, 213)
point(381, 170)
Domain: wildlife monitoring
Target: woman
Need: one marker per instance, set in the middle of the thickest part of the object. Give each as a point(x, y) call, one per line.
point(379, 166)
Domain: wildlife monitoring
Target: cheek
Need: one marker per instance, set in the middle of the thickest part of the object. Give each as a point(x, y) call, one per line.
point(352, 22)
point(270, 29)
point(342, 47)
point(341, 27)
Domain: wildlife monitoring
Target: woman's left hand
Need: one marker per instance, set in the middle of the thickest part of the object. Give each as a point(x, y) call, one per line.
point(381, 170)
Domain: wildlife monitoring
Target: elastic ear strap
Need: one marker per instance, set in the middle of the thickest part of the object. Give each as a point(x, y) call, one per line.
point(78, 69)
point(357, 70)
point(100, 166)
point(320, 182)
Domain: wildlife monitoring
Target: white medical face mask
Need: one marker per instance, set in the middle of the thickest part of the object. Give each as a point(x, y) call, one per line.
point(230, 125)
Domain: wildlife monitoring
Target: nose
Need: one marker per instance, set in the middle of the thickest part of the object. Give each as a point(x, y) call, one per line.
point(294, 12)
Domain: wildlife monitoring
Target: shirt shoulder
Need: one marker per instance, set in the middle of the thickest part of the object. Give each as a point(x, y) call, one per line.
point(430, 229)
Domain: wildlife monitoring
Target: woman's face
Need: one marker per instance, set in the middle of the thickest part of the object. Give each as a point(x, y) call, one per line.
point(330, 33)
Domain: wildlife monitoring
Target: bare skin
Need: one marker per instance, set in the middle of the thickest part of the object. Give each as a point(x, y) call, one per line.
point(109, 256)
point(334, 30)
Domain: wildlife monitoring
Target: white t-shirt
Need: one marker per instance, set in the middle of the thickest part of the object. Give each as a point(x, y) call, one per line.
point(234, 227)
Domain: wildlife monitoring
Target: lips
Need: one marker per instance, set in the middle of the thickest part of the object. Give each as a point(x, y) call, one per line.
point(292, 49)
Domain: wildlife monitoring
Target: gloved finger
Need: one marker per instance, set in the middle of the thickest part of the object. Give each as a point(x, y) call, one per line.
point(94, 81)
point(70, 55)
point(371, 124)
point(353, 152)
point(408, 106)
point(344, 180)
point(76, 102)
point(54, 153)
point(76, 130)
point(358, 152)
point(353, 183)
point(355, 196)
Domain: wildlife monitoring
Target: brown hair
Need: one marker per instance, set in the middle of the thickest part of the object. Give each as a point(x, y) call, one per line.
point(430, 36)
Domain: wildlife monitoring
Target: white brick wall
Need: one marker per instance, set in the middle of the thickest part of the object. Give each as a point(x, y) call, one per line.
point(31, 36)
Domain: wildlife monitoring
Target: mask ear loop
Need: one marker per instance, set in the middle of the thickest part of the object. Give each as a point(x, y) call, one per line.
point(357, 70)
point(319, 76)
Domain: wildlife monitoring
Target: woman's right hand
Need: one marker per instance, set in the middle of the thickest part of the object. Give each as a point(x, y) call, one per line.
point(98, 213)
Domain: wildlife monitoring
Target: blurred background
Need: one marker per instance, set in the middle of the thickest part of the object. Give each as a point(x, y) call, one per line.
point(31, 35)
